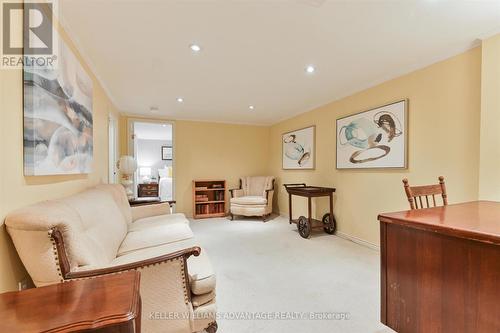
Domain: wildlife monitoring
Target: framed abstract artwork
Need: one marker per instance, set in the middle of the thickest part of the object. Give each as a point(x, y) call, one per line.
point(58, 121)
point(298, 149)
point(376, 138)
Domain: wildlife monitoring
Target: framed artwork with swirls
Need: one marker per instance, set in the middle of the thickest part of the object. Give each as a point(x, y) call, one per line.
point(376, 138)
point(298, 149)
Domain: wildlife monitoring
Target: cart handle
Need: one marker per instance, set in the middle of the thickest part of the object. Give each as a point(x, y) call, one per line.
point(295, 185)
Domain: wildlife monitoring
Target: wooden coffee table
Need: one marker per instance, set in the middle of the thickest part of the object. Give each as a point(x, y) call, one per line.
point(104, 304)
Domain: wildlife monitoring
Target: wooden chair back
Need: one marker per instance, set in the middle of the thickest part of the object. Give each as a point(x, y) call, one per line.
point(416, 194)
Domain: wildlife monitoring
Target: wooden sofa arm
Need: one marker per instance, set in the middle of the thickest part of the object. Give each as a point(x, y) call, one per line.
point(66, 269)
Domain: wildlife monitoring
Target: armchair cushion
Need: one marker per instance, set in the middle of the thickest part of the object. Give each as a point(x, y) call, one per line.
point(249, 200)
point(256, 186)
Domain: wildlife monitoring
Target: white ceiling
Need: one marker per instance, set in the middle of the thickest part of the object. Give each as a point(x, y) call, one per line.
point(153, 131)
point(255, 52)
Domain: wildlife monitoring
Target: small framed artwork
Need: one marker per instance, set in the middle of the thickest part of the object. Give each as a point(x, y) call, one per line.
point(166, 153)
point(376, 138)
point(298, 149)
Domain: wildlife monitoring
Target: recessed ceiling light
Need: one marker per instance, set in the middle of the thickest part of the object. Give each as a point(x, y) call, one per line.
point(195, 47)
point(153, 109)
point(164, 125)
point(180, 99)
point(310, 69)
point(251, 107)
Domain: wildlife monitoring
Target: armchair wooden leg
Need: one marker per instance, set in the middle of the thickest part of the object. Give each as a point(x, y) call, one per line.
point(212, 328)
point(264, 217)
point(231, 216)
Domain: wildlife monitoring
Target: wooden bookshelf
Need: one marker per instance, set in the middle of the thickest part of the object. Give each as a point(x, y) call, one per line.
point(209, 198)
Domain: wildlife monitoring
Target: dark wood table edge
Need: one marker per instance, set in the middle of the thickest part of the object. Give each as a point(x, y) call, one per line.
point(136, 203)
point(443, 229)
point(134, 313)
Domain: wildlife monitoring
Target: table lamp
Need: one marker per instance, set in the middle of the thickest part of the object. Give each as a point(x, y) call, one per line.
point(127, 166)
point(145, 173)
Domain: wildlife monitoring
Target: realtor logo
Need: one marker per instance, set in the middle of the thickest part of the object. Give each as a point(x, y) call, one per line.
point(27, 34)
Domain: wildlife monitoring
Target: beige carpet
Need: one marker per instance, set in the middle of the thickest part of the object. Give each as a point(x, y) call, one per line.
point(267, 270)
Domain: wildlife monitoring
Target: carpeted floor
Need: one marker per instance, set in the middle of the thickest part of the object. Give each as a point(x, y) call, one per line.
point(267, 269)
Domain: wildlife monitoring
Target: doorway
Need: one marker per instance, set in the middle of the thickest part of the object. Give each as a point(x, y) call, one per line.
point(151, 144)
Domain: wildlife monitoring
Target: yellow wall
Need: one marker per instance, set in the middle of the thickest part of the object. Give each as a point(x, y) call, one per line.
point(205, 150)
point(489, 179)
point(17, 190)
point(444, 109)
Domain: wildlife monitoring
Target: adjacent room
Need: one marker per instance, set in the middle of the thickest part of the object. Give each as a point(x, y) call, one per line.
point(250, 166)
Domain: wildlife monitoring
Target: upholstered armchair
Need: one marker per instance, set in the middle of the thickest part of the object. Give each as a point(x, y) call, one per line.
point(254, 197)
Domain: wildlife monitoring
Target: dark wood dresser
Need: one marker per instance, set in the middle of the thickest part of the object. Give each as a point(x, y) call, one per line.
point(148, 190)
point(440, 269)
point(105, 304)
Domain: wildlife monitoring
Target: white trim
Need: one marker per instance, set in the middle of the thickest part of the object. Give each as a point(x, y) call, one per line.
point(489, 34)
point(113, 154)
point(131, 148)
point(357, 240)
point(348, 237)
point(158, 116)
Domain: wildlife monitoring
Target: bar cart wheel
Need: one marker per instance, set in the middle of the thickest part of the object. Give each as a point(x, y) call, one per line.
point(304, 227)
point(329, 225)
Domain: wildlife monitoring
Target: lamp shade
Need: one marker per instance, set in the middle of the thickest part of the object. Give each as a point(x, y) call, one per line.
point(127, 165)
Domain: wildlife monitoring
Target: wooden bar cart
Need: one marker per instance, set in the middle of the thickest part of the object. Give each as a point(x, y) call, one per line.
point(305, 225)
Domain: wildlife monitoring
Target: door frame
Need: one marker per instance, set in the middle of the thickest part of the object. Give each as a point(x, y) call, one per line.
point(131, 149)
point(113, 149)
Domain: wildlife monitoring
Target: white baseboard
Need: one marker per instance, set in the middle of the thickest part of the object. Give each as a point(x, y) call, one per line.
point(348, 237)
point(357, 240)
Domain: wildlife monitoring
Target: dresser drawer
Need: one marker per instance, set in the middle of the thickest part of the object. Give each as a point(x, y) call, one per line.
point(148, 190)
point(149, 187)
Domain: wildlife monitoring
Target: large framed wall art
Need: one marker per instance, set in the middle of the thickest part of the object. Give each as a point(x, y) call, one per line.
point(298, 150)
point(58, 122)
point(376, 138)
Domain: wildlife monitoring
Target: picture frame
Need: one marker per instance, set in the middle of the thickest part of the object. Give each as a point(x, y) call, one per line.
point(53, 145)
point(376, 138)
point(166, 153)
point(299, 149)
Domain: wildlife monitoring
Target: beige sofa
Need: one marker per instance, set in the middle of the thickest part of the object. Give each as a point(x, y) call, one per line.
point(253, 198)
point(96, 232)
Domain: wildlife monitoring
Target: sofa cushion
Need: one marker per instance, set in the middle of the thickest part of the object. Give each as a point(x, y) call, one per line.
point(102, 221)
point(201, 274)
point(199, 300)
point(157, 221)
point(154, 236)
point(249, 200)
point(120, 197)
